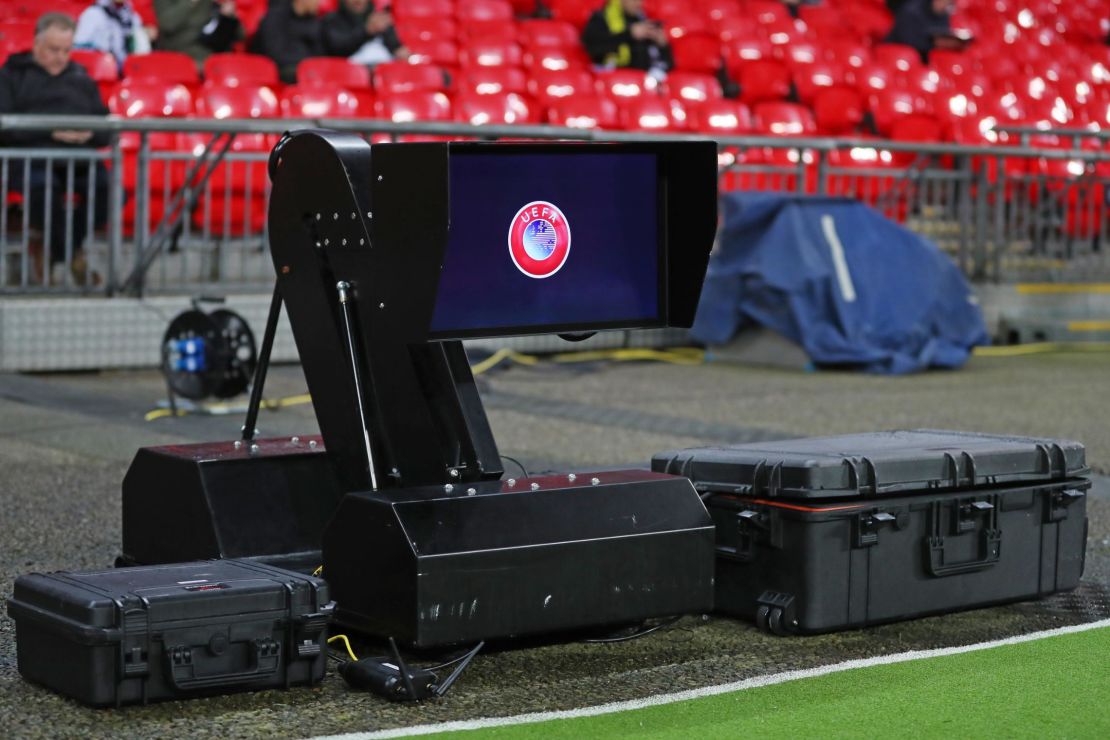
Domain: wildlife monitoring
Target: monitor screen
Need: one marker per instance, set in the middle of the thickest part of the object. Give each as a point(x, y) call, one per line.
point(550, 239)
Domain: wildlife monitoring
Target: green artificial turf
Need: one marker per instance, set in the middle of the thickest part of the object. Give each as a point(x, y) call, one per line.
point(1058, 687)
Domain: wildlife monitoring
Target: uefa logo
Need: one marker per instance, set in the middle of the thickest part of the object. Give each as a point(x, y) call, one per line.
point(539, 239)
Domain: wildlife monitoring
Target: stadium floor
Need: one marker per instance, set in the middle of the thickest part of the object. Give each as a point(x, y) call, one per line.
point(66, 440)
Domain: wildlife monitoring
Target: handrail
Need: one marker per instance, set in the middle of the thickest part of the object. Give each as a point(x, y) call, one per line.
point(38, 122)
point(1075, 133)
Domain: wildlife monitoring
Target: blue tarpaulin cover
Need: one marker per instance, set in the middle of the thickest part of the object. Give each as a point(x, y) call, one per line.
point(848, 285)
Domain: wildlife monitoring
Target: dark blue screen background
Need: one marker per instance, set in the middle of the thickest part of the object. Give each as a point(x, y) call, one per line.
point(611, 274)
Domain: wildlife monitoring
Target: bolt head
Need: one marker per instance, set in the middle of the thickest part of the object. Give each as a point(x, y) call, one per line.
point(511, 482)
point(453, 473)
point(595, 481)
point(571, 477)
point(535, 486)
point(312, 444)
point(471, 492)
point(448, 487)
point(295, 440)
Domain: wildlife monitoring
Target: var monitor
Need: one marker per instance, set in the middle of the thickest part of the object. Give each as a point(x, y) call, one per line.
point(473, 239)
point(566, 237)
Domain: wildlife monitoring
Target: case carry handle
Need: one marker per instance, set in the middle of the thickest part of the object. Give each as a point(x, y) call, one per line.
point(990, 545)
point(181, 669)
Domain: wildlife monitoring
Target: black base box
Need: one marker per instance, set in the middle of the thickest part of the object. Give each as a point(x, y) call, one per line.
point(824, 534)
point(130, 635)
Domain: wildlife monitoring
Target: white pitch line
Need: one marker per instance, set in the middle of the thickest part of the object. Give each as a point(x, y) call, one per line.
point(749, 683)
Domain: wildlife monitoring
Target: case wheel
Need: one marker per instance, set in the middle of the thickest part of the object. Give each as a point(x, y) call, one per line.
point(774, 623)
point(761, 617)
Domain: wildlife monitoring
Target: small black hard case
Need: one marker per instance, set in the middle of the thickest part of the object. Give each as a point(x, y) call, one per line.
point(819, 534)
point(128, 635)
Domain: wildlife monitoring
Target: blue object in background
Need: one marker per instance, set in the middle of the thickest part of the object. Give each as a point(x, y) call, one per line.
point(188, 355)
point(848, 285)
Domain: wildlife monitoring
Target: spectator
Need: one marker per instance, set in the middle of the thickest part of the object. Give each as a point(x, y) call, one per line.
point(44, 80)
point(619, 35)
point(359, 31)
point(197, 27)
point(289, 33)
point(923, 24)
point(113, 26)
point(793, 5)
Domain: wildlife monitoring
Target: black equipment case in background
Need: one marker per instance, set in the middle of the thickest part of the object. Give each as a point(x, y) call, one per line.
point(821, 534)
point(140, 634)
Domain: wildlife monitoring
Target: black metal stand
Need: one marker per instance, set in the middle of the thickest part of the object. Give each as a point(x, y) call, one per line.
point(263, 365)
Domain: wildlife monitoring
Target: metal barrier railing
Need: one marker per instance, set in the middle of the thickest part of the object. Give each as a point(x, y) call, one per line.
point(185, 199)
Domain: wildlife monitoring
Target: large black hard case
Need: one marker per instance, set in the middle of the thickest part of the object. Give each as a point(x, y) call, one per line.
point(820, 534)
point(170, 631)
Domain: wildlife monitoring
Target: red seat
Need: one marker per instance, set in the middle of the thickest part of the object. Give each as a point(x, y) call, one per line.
point(555, 59)
point(812, 78)
point(240, 69)
point(875, 77)
point(584, 111)
point(916, 128)
point(241, 101)
point(492, 80)
point(549, 87)
point(441, 52)
point(952, 63)
point(417, 105)
point(719, 116)
point(149, 98)
point(333, 71)
point(887, 106)
point(687, 23)
point(574, 12)
point(492, 53)
point(838, 111)
point(852, 54)
point(690, 87)
point(768, 12)
point(870, 19)
point(534, 33)
point(896, 56)
point(624, 84)
point(920, 79)
point(485, 19)
point(325, 101)
point(651, 114)
point(166, 66)
point(784, 119)
point(744, 49)
point(412, 29)
point(733, 28)
point(800, 54)
point(718, 10)
point(410, 9)
point(700, 52)
point(763, 80)
point(100, 65)
point(400, 77)
point(824, 21)
point(507, 108)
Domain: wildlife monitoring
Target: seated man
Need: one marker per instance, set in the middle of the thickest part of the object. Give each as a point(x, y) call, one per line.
point(358, 31)
point(619, 35)
point(289, 33)
point(44, 80)
point(924, 25)
point(113, 26)
point(197, 27)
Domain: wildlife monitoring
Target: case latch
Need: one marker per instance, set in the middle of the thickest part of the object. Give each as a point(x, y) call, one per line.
point(868, 524)
point(1057, 503)
point(309, 629)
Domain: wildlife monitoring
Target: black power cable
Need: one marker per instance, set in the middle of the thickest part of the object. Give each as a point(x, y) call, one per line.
point(643, 632)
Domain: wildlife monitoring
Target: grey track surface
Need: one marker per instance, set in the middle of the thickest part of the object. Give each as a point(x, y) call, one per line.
point(66, 440)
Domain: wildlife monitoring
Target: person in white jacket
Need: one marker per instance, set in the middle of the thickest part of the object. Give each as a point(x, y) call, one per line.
point(113, 26)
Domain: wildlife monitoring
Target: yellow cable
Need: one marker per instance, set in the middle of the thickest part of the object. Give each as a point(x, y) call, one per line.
point(345, 642)
point(318, 571)
point(272, 403)
point(677, 356)
point(502, 354)
point(1041, 348)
